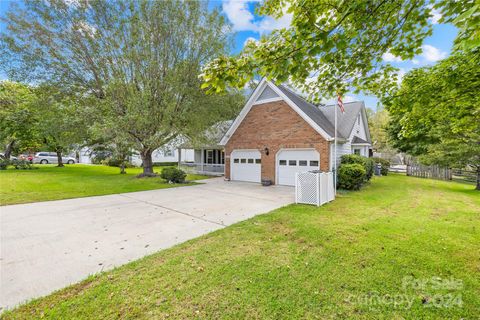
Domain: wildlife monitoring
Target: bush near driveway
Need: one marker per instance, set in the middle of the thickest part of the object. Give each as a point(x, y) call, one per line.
point(345, 260)
point(351, 176)
point(367, 163)
point(173, 175)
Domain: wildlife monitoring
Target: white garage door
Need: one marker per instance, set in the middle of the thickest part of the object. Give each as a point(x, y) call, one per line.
point(290, 162)
point(245, 165)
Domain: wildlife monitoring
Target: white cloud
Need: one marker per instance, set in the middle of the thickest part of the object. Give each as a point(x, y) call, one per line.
point(435, 16)
point(415, 61)
point(432, 54)
point(239, 15)
point(269, 24)
point(387, 56)
point(243, 20)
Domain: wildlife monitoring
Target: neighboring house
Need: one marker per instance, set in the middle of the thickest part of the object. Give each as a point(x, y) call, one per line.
point(169, 153)
point(209, 155)
point(84, 155)
point(278, 133)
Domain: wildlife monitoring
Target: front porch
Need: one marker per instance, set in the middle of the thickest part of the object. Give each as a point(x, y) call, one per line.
point(207, 161)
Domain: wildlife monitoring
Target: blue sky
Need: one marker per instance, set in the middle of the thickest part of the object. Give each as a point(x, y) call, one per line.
point(247, 25)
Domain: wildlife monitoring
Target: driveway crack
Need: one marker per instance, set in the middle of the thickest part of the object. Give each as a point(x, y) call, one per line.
point(175, 210)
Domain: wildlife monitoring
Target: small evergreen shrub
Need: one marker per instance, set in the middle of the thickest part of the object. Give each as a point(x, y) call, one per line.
point(4, 163)
point(367, 163)
point(369, 168)
point(22, 165)
point(173, 175)
point(351, 176)
point(385, 165)
point(352, 158)
point(114, 162)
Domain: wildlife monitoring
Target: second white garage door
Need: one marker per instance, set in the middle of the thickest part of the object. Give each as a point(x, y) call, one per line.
point(245, 165)
point(290, 162)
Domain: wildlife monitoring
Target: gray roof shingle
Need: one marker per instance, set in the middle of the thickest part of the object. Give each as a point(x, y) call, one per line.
point(345, 121)
point(358, 140)
point(311, 110)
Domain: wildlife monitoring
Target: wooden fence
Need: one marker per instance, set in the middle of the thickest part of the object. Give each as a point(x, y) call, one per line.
point(432, 172)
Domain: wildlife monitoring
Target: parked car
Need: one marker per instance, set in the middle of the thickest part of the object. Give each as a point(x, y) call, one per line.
point(2, 156)
point(50, 157)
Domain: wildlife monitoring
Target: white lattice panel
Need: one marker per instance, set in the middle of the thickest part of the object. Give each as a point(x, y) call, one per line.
point(314, 188)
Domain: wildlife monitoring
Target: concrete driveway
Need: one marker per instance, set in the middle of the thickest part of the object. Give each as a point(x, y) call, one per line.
point(46, 246)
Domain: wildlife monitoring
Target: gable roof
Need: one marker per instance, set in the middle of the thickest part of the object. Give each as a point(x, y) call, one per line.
point(211, 136)
point(311, 111)
point(357, 140)
point(346, 121)
point(319, 118)
point(284, 95)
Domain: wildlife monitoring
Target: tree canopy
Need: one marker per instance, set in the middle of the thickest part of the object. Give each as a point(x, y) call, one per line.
point(330, 46)
point(17, 117)
point(140, 61)
point(435, 114)
point(334, 46)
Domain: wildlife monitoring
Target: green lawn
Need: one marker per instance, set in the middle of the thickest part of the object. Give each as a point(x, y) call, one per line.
point(72, 181)
point(347, 259)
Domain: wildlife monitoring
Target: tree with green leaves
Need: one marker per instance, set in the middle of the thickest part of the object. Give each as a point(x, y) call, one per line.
point(60, 124)
point(377, 124)
point(330, 46)
point(140, 60)
point(337, 46)
point(17, 117)
point(435, 114)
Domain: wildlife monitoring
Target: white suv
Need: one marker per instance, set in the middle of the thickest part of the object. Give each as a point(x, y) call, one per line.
point(51, 157)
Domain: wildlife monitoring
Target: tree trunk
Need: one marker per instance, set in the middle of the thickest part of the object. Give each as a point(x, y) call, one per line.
point(8, 149)
point(59, 159)
point(122, 167)
point(478, 179)
point(147, 163)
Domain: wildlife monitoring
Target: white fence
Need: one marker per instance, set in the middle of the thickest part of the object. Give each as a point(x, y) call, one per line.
point(314, 188)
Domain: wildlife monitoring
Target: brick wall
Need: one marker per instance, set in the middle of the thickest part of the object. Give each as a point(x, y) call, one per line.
point(275, 126)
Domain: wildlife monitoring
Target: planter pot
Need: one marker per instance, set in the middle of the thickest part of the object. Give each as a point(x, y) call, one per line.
point(266, 182)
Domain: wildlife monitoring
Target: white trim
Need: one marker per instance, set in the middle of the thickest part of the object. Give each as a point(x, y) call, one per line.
point(252, 100)
point(267, 100)
point(360, 144)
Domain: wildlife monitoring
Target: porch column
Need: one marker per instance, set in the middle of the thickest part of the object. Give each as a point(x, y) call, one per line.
point(202, 159)
point(179, 157)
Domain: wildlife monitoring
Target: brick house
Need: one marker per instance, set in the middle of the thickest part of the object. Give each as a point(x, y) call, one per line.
point(278, 133)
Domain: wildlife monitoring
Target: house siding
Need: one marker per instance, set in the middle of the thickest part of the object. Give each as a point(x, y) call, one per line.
point(275, 126)
point(342, 148)
point(359, 130)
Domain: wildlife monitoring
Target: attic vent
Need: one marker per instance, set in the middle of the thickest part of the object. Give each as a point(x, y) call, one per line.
point(267, 93)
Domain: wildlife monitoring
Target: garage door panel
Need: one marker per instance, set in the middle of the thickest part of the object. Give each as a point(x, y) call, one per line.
point(289, 162)
point(246, 165)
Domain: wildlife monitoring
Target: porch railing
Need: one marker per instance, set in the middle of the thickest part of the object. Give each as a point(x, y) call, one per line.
point(203, 168)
